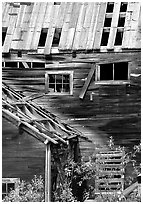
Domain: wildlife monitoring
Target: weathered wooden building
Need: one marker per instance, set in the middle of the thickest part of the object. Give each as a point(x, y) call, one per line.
point(82, 62)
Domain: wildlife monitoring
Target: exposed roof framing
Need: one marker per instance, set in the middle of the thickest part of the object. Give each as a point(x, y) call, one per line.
point(33, 119)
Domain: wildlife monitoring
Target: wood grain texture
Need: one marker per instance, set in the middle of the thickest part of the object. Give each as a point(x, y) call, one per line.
point(81, 22)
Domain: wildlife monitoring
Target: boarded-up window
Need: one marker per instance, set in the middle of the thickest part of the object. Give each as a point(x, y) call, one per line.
point(4, 30)
point(8, 184)
point(43, 37)
point(59, 82)
point(56, 38)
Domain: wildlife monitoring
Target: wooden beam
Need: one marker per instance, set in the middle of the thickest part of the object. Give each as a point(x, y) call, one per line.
point(87, 82)
point(48, 173)
point(25, 64)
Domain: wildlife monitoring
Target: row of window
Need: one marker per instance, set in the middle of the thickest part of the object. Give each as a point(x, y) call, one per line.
point(21, 64)
point(61, 82)
point(120, 26)
point(105, 34)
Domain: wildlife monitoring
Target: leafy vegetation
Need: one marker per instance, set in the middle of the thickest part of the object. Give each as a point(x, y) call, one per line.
point(78, 183)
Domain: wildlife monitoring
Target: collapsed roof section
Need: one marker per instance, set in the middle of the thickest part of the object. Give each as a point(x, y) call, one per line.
point(35, 120)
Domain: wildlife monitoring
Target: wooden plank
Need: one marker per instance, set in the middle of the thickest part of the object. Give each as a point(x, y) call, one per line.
point(86, 26)
point(134, 25)
point(48, 15)
point(138, 35)
point(87, 82)
point(61, 15)
point(127, 26)
point(72, 25)
point(36, 32)
point(92, 29)
point(64, 33)
point(10, 31)
point(79, 27)
point(100, 25)
point(114, 25)
point(38, 25)
point(6, 16)
point(25, 64)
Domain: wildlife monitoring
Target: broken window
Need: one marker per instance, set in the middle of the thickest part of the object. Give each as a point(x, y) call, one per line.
point(60, 82)
point(113, 71)
point(56, 38)
point(8, 184)
point(105, 36)
point(123, 7)
point(121, 21)
point(43, 37)
point(119, 37)
point(4, 30)
point(110, 7)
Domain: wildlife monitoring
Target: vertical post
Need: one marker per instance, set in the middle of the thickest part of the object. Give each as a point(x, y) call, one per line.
point(48, 173)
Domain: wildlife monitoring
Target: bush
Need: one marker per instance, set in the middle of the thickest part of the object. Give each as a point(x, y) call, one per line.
point(27, 191)
point(77, 184)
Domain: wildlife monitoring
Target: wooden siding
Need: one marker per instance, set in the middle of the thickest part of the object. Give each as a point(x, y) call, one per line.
point(114, 110)
point(81, 23)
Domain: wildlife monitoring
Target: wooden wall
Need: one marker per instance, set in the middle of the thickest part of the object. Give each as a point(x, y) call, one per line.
point(81, 22)
point(22, 155)
point(114, 111)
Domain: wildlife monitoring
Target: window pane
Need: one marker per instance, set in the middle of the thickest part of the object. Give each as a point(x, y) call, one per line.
point(106, 72)
point(123, 7)
point(107, 22)
point(56, 38)
point(66, 88)
point(52, 87)
point(51, 78)
point(105, 36)
point(59, 78)
point(110, 7)
point(121, 71)
point(66, 78)
point(38, 64)
point(121, 22)
point(3, 187)
point(119, 37)
point(43, 37)
point(58, 87)
point(10, 64)
point(10, 186)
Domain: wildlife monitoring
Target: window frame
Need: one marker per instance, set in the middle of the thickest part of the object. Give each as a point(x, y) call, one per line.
point(6, 181)
point(54, 72)
point(113, 81)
